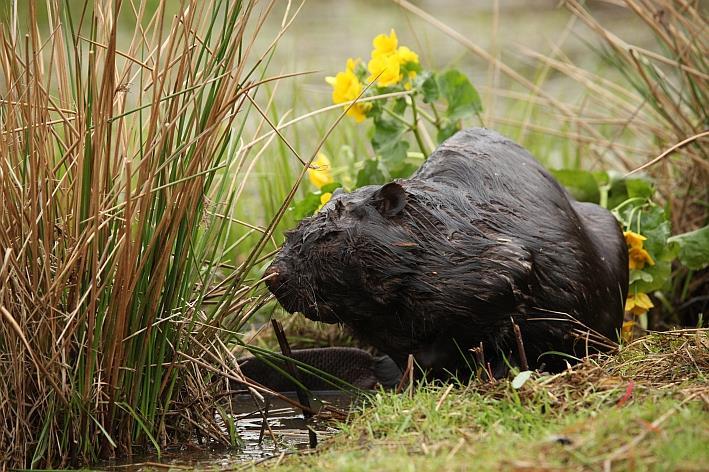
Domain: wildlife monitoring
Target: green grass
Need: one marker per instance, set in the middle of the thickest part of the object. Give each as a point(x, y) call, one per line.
point(570, 421)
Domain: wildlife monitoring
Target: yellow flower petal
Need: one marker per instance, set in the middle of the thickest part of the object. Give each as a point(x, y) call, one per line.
point(407, 56)
point(643, 301)
point(386, 70)
point(627, 330)
point(319, 172)
point(346, 87)
point(638, 303)
point(351, 64)
point(634, 239)
point(359, 111)
point(637, 258)
point(324, 198)
point(384, 45)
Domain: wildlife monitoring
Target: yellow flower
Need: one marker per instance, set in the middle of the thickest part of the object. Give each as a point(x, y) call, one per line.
point(388, 67)
point(319, 172)
point(407, 56)
point(346, 87)
point(638, 257)
point(638, 303)
point(634, 239)
point(627, 330)
point(351, 64)
point(324, 198)
point(385, 45)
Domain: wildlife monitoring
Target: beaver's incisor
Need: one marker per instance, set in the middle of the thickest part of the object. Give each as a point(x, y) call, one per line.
point(437, 264)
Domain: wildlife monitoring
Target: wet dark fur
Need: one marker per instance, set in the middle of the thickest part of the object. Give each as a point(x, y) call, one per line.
point(436, 264)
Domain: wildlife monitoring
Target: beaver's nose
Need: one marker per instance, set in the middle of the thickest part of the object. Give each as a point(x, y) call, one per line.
point(275, 277)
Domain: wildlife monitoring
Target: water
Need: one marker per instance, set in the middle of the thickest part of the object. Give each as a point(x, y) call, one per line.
point(289, 429)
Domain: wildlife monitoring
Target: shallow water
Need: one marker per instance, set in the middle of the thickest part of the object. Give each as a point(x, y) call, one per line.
point(289, 428)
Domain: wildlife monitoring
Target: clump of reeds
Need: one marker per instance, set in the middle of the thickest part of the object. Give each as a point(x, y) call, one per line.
point(121, 160)
point(662, 99)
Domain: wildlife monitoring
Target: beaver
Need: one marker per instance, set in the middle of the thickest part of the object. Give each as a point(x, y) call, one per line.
point(482, 237)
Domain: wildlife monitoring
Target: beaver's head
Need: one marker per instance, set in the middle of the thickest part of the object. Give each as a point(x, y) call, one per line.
point(342, 264)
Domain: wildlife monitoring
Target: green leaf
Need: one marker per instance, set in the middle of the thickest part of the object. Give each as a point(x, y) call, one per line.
point(447, 129)
point(329, 188)
point(639, 188)
point(386, 133)
point(660, 273)
point(388, 141)
point(395, 154)
point(403, 170)
point(463, 100)
point(399, 106)
point(651, 221)
point(693, 248)
point(428, 86)
point(370, 174)
point(602, 178)
point(641, 275)
point(306, 206)
point(580, 183)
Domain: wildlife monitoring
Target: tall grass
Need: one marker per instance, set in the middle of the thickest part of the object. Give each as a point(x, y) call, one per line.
point(121, 162)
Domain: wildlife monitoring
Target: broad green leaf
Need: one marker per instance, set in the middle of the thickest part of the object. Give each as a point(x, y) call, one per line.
point(641, 275)
point(329, 188)
point(386, 133)
point(660, 273)
point(394, 155)
point(447, 129)
point(402, 171)
point(602, 178)
point(580, 183)
point(639, 188)
point(693, 248)
point(399, 106)
point(370, 174)
point(306, 207)
point(429, 87)
point(463, 100)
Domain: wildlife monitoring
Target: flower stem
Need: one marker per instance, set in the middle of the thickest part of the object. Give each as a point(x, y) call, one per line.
point(415, 128)
point(397, 117)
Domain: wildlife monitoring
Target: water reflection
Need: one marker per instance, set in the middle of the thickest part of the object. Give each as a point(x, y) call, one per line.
point(284, 432)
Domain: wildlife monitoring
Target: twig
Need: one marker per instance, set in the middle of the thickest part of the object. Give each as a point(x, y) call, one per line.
point(302, 395)
point(520, 346)
point(669, 151)
point(407, 375)
point(443, 397)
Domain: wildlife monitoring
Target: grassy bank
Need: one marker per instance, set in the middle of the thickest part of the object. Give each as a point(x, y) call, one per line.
point(646, 408)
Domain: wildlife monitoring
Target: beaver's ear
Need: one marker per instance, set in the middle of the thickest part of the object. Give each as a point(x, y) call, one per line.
point(390, 199)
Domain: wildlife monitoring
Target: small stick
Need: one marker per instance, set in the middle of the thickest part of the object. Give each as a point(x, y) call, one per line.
point(302, 395)
point(520, 346)
point(264, 423)
point(479, 352)
point(407, 375)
